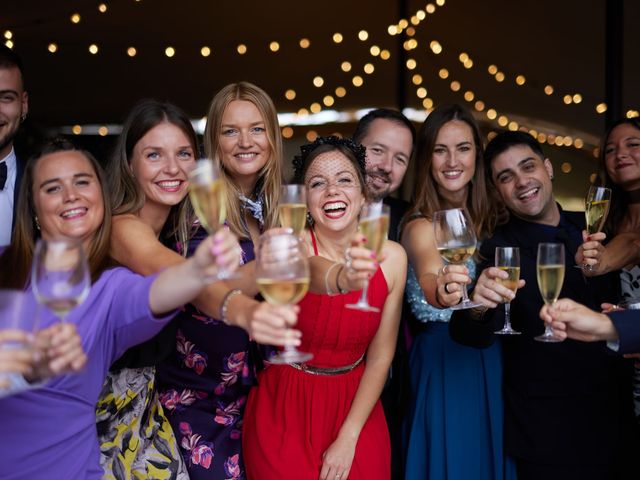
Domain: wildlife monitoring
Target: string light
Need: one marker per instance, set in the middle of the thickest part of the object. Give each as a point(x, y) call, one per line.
point(290, 94)
point(345, 66)
point(341, 92)
point(242, 49)
point(274, 46)
point(601, 108)
point(357, 81)
point(77, 129)
point(93, 49)
point(369, 68)
point(8, 34)
point(169, 51)
point(131, 51)
point(304, 43)
point(363, 35)
point(75, 18)
point(287, 132)
point(102, 8)
point(318, 81)
point(374, 50)
point(205, 51)
point(337, 38)
point(9, 43)
point(52, 47)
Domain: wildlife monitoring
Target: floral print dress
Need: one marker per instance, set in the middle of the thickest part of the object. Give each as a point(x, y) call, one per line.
point(203, 388)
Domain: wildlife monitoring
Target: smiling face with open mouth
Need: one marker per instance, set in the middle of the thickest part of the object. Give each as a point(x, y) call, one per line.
point(67, 196)
point(454, 158)
point(160, 163)
point(334, 192)
point(523, 180)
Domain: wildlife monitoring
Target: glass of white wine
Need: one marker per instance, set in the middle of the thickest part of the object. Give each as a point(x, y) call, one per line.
point(292, 209)
point(208, 197)
point(374, 225)
point(550, 268)
point(60, 275)
point(596, 211)
point(282, 274)
point(508, 259)
point(456, 243)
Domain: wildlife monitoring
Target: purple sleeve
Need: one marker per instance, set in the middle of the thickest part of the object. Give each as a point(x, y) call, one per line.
point(627, 324)
point(130, 316)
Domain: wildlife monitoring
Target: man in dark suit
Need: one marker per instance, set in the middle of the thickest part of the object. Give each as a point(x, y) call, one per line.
point(14, 105)
point(568, 405)
point(389, 137)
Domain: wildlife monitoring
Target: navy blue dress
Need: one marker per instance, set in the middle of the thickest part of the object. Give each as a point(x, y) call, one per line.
point(203, 387)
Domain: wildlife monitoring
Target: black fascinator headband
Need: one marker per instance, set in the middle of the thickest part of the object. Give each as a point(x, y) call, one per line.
point(301, 162)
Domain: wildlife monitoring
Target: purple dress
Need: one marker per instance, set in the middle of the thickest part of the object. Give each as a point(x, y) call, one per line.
point(203, 388)
point(50, 432)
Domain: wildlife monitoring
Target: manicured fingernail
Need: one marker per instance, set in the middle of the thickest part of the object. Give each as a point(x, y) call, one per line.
point(373, 255)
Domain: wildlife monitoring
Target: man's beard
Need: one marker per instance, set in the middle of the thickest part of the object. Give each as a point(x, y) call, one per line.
point(8, 138)
point(376, 194)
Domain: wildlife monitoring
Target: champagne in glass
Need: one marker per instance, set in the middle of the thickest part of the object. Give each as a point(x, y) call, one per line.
point(550, 268)
point(456, 243)
point(292, 209)
point(374, 225)
point(282, 273)
point(60, 275)
point(508, 260)
point(208, 197)
point(597, 208)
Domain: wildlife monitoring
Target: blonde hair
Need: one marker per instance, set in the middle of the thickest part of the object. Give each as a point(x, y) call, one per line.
point(270, 177)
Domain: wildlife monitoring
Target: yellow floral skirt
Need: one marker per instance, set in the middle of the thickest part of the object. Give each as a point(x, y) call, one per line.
point(136, 439)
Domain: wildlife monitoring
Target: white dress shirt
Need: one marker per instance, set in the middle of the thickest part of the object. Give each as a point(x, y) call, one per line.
point(6, 198)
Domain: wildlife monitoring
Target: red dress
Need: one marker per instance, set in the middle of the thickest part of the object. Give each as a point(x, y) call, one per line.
point(292, 416)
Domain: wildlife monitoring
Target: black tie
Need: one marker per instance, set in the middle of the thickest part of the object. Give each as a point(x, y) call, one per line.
point(3, 174)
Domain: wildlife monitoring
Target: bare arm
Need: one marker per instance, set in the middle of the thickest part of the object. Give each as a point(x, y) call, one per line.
point(134, 245)
point(339, 456)
point(418, 240)
point(622, 250)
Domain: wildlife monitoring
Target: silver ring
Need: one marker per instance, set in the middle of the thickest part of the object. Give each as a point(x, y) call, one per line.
point(348, 260)
point(444, 270)
point(446, 288)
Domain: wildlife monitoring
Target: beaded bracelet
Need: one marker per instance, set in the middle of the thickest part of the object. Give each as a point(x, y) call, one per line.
point(340, 289)
point(225, 304)
point(326, 280)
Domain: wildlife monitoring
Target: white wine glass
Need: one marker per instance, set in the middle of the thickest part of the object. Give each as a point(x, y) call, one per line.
point(208, 197)
point(508, 259)
point(456, 242)
point(550, 268)
point(60, 275)
point(596, 210)
point(282, 274)
point(292, 209)
point(374, 225)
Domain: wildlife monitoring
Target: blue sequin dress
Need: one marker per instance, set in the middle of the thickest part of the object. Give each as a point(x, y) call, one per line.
point(454, 425)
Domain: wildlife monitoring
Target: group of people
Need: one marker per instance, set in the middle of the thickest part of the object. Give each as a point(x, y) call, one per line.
point(163, 372)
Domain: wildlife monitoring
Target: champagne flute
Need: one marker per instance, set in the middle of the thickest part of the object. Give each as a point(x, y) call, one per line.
point(292, 209)
point(374, 225)
point(596, 210)
point(456, 243)
point(282, 273)
point(550, 271)
point(508, 259)
point(208, 197)
point(60, 275)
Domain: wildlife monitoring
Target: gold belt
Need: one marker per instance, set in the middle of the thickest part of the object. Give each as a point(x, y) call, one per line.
point(326, 371)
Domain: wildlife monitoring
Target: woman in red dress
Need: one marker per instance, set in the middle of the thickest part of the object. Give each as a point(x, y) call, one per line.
point(323, 420)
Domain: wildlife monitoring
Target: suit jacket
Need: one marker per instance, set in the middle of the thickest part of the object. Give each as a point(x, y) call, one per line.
point(16, 189)
point(565, 403)
point(627, 324)
point(398, 208)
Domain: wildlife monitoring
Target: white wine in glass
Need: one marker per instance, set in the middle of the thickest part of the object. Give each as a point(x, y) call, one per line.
point(550, 269)
point(292, 209)
point(282, 275)
point(60, 275)
point(456, 243)
point(374, 225)
point(597, 208)
point(208, 197)
point(508, 260)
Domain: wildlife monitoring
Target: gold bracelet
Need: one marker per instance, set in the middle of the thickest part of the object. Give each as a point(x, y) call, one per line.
point(225, 304)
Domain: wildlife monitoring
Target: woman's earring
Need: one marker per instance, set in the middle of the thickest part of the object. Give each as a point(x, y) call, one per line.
point(37, 222)
point(309, 219)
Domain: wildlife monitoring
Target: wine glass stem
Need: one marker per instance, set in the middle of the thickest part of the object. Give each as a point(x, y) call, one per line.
point(507, 315)
point(363, 296)
point(465, 297)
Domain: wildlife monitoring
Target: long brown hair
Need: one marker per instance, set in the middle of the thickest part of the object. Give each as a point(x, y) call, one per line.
point(15, 263)
point(127, 195)
point(427, 199)
point(270, 177)
point(619, 198)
